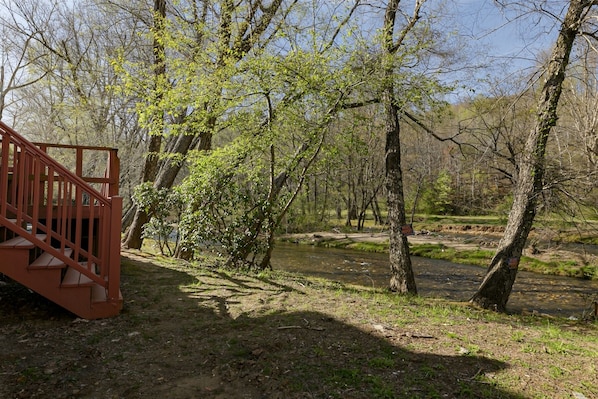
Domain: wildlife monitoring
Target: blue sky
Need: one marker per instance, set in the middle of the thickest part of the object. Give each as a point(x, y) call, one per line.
point(507, 42)
point(505, 33)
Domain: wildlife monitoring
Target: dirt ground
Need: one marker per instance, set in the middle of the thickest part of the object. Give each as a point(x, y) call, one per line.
point(188, 332)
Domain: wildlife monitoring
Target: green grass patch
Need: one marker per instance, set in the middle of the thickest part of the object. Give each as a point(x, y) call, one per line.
point(369, 246)
point(440, 251)
point(568, 268)
point(460, 220)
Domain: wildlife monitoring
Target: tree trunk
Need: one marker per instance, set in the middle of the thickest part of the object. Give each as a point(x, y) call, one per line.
point(376, 211)
point(496, 287)
point(155, 141)
point(127, 217)
point(134, 238)
point(137, 217)
point(265, 263)
point(402, 279)
point(349, 207)
point(165, 179)
point(361, 219)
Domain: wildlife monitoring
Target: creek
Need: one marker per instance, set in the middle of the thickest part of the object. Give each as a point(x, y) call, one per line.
point(532, 292)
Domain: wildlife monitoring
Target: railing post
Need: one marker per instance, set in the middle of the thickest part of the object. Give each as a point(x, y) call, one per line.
point(113, 172)
point(4, 154)
point(114, 249)
point(79, 162)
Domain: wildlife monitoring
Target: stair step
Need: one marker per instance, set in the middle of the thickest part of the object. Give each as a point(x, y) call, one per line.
point(74, 278)
point(93, 268)
point(21, 242)
point(46, 261)
point(99, 294)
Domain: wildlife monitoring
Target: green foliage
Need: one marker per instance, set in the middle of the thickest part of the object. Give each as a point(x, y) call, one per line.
point(297, 221)
point(222, 195)
point(438, 198)
point(163, 207)
point(274, 109)
point(237, 195)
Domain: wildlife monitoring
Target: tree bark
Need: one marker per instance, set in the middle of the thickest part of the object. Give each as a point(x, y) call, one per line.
point(402, 279)
point(496, 287)
point(134, 224)
point(166, 176)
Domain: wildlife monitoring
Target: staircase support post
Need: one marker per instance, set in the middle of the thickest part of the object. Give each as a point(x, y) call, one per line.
point(114, 250)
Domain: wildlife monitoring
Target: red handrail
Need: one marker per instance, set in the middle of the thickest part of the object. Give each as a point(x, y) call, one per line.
point(109, 182)
point(44, 197)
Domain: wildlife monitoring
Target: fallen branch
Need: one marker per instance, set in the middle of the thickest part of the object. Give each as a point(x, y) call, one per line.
point(300, 328)
point(415, 335)
point(290, 327)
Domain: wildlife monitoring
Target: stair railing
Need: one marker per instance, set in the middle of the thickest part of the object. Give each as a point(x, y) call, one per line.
point(41, 196)
point(108, 183)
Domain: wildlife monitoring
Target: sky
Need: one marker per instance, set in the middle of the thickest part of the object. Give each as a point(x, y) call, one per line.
point(508, 39)
point(502, 29)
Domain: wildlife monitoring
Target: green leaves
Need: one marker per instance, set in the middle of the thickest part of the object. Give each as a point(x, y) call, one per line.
point(270, 107)
point(163, 207)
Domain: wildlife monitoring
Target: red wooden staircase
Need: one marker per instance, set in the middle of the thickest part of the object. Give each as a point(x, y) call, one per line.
point(60, 230)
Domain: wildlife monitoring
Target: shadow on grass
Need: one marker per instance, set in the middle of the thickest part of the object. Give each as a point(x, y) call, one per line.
point(196, 334)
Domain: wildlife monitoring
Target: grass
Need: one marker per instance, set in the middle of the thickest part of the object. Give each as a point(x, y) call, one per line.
point(198, 331)
point(368, 246)
point(439, 251)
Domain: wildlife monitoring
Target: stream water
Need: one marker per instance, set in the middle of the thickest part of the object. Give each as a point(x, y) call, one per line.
point(553, 295)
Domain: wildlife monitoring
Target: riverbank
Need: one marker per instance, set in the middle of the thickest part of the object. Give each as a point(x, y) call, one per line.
point(196, 331)
point(473, 245)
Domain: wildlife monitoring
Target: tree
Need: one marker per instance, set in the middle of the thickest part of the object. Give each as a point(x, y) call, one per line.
point(490, 129)
point(575, 171)
point(402, 279)
point(139, 215)
point(204, 41)
point(496, 287)
point(73, 97)
point(15, 62)
point(239, 193)
point(359, 142)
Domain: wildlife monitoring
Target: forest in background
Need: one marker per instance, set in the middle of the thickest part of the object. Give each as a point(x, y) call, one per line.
point(238, 120)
